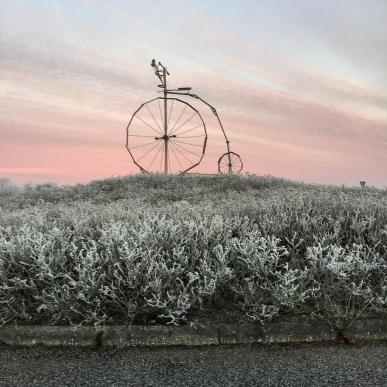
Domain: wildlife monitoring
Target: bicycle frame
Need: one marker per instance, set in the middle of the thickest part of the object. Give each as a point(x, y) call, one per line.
point(161, 72)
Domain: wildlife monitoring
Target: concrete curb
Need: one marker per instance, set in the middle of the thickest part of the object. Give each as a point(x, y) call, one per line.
point(375, 329)
point(50, 336)
point(295, 331)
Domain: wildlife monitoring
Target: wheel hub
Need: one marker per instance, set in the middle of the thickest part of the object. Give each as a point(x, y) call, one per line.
point(165, 137)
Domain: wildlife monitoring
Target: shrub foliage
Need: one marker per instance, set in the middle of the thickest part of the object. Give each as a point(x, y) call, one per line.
point(170, 248)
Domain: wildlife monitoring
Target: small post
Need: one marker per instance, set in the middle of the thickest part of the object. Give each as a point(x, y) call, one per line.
point(362, 184)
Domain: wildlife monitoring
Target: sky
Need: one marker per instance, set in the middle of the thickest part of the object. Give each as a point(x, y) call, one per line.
point(300, 85)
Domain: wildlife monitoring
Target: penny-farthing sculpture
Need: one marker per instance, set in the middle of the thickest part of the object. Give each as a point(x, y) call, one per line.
point(168, 135)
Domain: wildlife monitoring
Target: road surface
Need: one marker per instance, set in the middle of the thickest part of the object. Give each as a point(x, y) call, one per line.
point(303, 365)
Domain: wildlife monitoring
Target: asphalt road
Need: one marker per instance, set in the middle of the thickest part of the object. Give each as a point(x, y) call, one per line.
point(307, 365)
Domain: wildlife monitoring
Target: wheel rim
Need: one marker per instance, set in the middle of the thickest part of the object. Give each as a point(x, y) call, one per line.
point(184, 140)
point(230, 162)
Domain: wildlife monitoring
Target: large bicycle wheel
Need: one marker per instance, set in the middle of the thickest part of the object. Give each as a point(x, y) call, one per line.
point(168, 138)
point(230, 162)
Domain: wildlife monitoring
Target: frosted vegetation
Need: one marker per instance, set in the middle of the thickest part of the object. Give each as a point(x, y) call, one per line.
point(146, 249)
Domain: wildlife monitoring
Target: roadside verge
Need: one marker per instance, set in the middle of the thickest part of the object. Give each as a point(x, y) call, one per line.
point(204, 335)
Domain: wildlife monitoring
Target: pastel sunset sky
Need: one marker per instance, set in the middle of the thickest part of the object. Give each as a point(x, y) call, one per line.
point(300, 85)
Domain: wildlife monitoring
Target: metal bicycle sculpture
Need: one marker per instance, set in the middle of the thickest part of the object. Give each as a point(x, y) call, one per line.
point(168, 134)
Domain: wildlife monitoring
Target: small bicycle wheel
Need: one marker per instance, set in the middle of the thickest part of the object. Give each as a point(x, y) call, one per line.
point(230, 162)
point(166, 135)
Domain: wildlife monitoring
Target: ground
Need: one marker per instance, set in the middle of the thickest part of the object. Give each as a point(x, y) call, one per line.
point(303, 365)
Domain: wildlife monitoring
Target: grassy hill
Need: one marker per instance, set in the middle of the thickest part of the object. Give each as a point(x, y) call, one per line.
point(174, 248)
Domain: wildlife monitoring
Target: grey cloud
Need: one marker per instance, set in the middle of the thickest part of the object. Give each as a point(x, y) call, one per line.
point(65, 63)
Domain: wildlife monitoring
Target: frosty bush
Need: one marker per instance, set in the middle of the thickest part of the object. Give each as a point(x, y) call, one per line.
point(168, 249)
point(347, 281)
point(267, 281)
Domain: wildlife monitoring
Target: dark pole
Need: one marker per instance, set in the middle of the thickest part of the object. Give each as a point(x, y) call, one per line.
point(162, 75)
point(166, 138)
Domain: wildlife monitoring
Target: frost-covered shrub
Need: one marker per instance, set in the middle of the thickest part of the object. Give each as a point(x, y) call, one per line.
point(161, 248)
point(347, 282)
point(266, 282)
point(7, 187)
point(152, 266)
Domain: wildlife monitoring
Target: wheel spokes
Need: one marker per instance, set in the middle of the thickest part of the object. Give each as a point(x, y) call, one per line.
point(185, 122)
point(147, 141)
point(155, 156)
point(201, 135)
point(162, 158)
point(154, 119)
point(142, 145)
point(170, 112)
point(230, 162)
point(178, 160)
point(147, 153)
point(182, 154)
point(161, 114)
point(188, 143)
point(185, 149)
point(185, 107)
point(188, 130)
point(150, 126)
